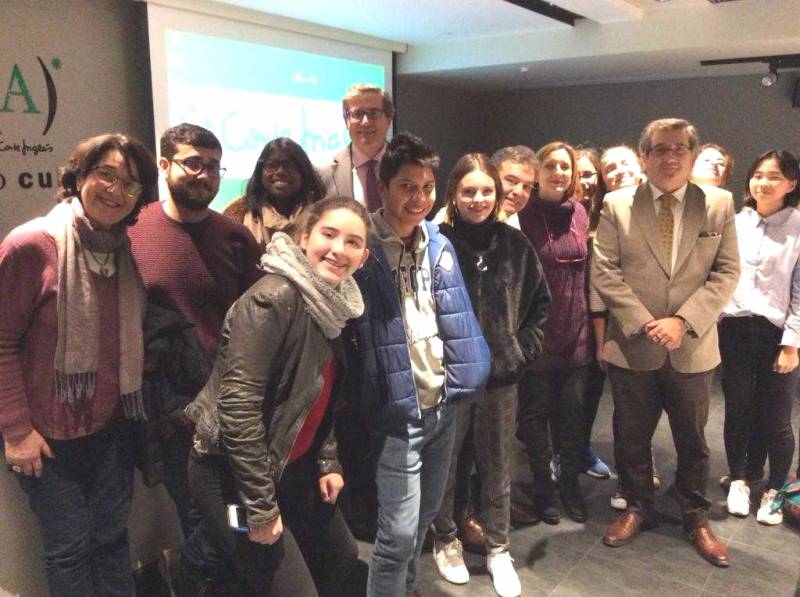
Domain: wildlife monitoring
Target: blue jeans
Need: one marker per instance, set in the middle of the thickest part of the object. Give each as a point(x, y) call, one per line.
point(411, 477)
point(82, 502)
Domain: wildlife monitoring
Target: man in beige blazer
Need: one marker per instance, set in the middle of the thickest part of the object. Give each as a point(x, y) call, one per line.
point(353, 171)
point(665, 263)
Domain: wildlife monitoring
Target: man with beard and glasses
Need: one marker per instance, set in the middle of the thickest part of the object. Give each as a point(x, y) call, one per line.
point(195, 262)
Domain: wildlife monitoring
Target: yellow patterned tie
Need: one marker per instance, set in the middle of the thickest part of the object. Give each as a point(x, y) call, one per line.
point(666, 225)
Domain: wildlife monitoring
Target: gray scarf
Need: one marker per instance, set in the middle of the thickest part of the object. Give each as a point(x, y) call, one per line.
point(77, 309)
point(330, 307)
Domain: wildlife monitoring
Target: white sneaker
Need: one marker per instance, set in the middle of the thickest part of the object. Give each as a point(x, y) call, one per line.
point(504, 577)
point(449, 558)
point(738, 502)
point(765, 515)
point(618, 501)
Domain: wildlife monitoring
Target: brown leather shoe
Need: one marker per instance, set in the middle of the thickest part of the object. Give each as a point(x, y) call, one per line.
point(624, 529)
point(708, 546)
point(471, 533)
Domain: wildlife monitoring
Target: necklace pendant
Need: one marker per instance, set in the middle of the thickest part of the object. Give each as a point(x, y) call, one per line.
point(481, 264)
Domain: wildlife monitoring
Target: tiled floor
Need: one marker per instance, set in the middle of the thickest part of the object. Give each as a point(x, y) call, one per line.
point(570, 559)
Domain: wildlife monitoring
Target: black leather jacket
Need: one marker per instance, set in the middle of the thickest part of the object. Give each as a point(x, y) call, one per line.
point(266, 378)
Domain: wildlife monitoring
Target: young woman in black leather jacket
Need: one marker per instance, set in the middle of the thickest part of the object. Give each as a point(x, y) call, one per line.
point(264, 439)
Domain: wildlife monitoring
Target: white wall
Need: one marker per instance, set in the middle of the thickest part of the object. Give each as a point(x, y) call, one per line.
point(96, 54)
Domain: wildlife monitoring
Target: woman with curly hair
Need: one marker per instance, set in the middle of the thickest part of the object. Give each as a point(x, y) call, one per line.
point(283, 185)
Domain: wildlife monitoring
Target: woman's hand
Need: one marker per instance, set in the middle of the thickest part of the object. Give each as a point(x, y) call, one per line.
point(600, 356)
point(268, 533)
point(25, 455)
point(786, 361)
point(329, 487)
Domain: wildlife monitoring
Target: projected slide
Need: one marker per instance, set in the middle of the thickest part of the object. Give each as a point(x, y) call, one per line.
point(249, 93)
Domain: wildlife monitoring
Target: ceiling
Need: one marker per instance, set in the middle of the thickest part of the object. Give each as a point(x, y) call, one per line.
point(497, 44)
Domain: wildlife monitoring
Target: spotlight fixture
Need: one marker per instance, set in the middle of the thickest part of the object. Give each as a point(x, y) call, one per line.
point(771, 77)
point(775, 63)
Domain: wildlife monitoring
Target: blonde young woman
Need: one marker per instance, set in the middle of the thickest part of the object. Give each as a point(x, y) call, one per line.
point(509, 296)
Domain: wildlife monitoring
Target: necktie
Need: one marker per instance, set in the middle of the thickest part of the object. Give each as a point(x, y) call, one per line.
point(666, 225)
point(371, 194)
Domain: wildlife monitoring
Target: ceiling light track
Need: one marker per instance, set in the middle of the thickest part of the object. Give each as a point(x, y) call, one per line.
point(548, 9)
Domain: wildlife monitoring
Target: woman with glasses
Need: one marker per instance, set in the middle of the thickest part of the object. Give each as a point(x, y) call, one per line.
point(283, 185)
point(551, 396)
point(759, 332)
point(593, 189)
point(509, 296)
point(71, 358)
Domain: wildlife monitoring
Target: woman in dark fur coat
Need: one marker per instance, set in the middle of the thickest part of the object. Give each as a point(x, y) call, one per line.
point(510, 297)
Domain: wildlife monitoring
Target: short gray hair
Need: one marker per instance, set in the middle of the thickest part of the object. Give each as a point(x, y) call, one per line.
point(668, 124)
point(522, 154)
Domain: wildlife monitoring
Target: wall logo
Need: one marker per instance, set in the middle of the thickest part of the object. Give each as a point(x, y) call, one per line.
point(18, 93)
point(27, 114)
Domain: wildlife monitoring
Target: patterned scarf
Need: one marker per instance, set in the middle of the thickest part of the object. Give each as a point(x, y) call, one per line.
point(77, 347)
point(330, 307)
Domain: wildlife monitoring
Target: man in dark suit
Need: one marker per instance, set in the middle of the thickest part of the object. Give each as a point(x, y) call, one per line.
point(665, 263)
point(353, 171)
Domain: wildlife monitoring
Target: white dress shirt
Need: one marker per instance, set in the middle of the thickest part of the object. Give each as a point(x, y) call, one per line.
point(769, 285)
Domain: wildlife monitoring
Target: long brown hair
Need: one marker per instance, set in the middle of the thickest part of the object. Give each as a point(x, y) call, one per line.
point(467, 163)
point(596, 201)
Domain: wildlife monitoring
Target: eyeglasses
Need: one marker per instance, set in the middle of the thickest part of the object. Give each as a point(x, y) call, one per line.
point(289, 166)
point(357, 115)
point(662, 151)
point(108, 177)
point(196, 166)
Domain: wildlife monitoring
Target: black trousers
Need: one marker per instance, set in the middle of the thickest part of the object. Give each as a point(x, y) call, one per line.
point(639, 399)
point(756, 398)
point(595, 381)
point(315, 555)
point(551, 406)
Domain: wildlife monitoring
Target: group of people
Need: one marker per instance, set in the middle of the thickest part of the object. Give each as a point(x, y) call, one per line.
point(330, 332)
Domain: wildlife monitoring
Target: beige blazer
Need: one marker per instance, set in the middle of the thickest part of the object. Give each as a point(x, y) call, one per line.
point(337, 175)
point(630, 272)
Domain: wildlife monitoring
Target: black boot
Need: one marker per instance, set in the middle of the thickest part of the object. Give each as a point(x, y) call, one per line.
point(547, 509)
point(572, 498)
point(180, 581)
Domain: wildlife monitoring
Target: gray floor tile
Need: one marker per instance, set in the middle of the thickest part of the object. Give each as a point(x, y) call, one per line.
point(569, 560)
point(661, 555)
point(780, 539)
point(598, 576)
point(756, 571)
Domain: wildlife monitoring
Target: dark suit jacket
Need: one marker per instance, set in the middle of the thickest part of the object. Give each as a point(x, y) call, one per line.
point(631, 274)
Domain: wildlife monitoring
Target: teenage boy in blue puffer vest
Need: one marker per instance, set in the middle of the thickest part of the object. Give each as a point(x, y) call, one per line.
point(417, 350)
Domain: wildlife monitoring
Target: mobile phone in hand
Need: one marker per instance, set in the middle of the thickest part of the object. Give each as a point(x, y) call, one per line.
point(237, 518)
